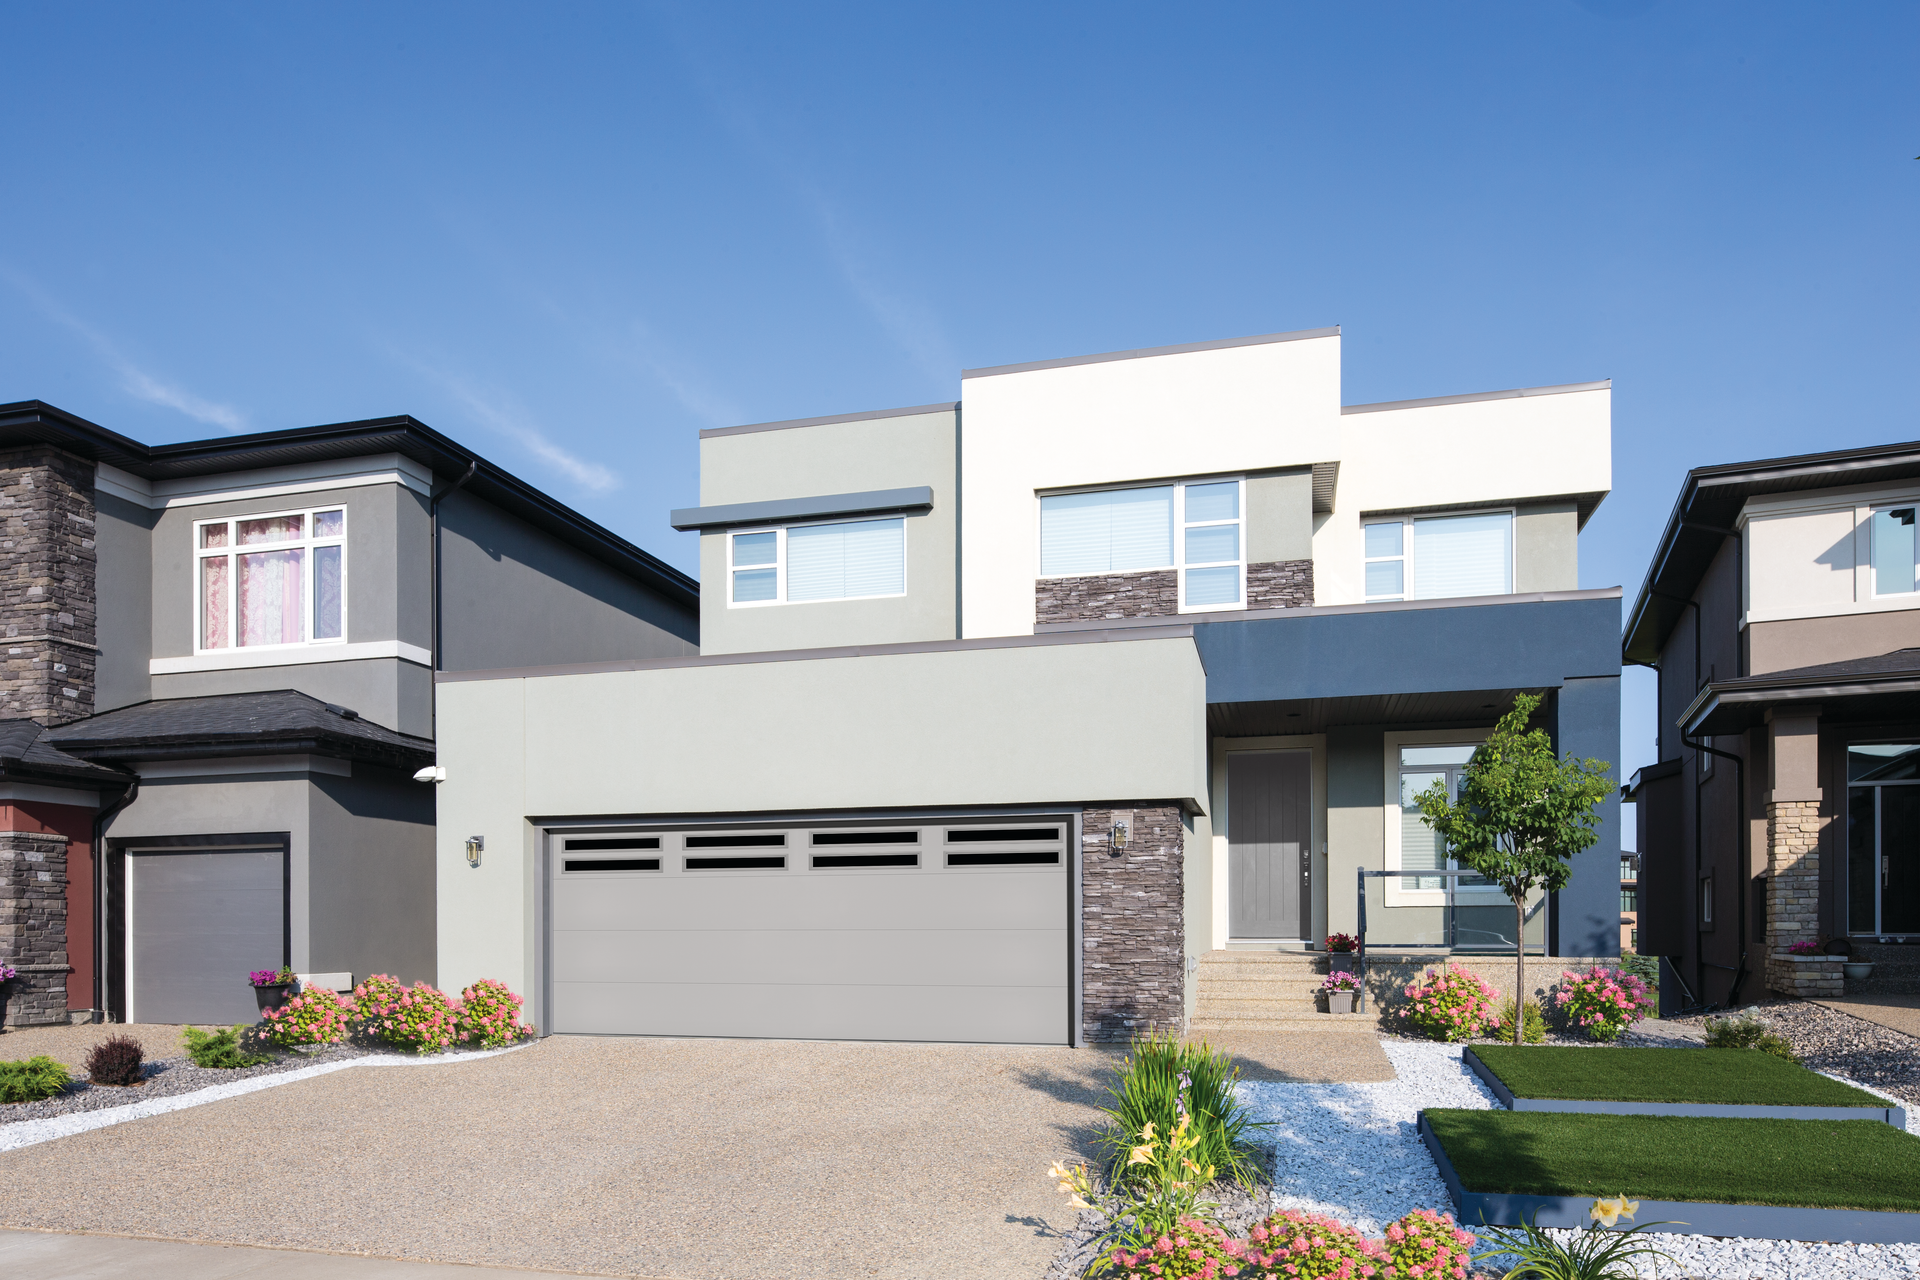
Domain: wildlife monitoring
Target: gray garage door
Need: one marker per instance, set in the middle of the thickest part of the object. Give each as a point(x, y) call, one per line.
point(937, 931)
point(199, 921)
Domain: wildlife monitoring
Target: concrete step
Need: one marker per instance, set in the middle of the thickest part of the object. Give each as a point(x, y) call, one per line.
point(1353, 1023)
point(1253, 988)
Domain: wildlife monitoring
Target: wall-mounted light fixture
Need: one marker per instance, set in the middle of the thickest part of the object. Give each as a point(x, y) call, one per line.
point(432, 773)
point(1122, 830)
point(474, 845)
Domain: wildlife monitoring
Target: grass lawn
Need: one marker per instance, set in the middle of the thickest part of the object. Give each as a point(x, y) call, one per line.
point(1720, 1076)
point(1824, 1164)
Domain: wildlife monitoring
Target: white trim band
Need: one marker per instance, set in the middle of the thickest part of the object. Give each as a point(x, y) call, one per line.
point(269, 482)
point(293, 655)
point(226, 766)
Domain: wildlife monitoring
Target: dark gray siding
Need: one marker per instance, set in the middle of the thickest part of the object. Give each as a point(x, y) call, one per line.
point(371, 893)
point(124, 617)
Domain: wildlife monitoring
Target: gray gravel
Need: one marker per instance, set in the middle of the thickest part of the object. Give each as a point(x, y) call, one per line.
point(166, 1078)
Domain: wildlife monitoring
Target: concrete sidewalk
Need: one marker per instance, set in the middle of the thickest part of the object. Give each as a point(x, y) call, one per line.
point(1899, 1012)
point(51, 1256)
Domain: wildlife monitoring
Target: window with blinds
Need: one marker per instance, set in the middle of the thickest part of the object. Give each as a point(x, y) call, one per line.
point(1193, 527)
point(1437, 557)
point(849, 560)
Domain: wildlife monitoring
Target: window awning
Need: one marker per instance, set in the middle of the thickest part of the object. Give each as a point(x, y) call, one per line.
point(783, 510)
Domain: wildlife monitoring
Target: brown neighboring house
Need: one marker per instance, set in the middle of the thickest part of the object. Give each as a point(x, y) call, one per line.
point(1782, 612)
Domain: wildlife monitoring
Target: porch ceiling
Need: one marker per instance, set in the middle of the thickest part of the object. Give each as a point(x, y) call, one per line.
point(1316, 715)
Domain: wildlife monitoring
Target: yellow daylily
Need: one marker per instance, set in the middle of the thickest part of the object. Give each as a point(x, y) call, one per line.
point(1141, 1155)
point(1059, 1170)
point(1078, 1203)
point(1146, 1134)
point(1608, 1210)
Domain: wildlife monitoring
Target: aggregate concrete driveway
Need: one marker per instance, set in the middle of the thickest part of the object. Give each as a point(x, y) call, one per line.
point(684, 1159)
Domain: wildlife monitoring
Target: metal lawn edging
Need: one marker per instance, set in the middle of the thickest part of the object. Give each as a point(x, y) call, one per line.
point(1895, 1116)
point(1688, 1217)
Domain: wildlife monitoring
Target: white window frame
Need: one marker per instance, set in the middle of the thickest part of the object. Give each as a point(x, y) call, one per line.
point(308, 562)
point(1410, 570)
point(1873, 574)
point(780, 563)
point(1180, 527)
point(1397, 895)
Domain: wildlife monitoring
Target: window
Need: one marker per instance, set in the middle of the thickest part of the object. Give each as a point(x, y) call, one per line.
point(1629, 870)
point(1883, 830)
point(1193, 528)
point(271, 580)
point(1629, 900)
point(1421, 848)
point(1893, 552)
point(846, 561)
point(1437, 557)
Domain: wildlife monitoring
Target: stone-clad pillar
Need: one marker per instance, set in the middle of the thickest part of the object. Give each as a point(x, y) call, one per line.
point(33, 925)
point(1794, 826)
point(1133, 925)
point(47, 586)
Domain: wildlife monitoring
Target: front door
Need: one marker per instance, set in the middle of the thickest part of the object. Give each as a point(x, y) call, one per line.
point(1269, 831)
point(1883, 838)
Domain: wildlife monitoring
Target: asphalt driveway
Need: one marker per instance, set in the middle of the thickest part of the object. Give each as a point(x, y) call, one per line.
point(682, 1159)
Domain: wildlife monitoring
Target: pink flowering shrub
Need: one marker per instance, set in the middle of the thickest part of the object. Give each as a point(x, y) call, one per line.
point(1292, 1245)
point(490, 1015)
point(1449, 1004)
point(1195, 1249)
point(1426, 1245)
point(1603, 1002)
point(315, 1016)
point(418, 1019)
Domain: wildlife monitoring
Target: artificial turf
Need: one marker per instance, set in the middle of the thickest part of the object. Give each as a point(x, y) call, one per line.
point(1823, 1164)
point(1719, 1076)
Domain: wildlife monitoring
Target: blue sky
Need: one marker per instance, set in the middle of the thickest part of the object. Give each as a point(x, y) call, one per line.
point(571, 236)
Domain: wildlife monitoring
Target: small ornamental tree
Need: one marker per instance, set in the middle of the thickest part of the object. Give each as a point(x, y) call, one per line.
point(1522, 815)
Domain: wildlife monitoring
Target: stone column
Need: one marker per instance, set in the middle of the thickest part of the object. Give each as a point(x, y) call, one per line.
point(1794, 826)
point(33, 926)
point(1132, 922)
point(47, 586)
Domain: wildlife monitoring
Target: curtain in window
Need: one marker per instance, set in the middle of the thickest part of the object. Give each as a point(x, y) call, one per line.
point(839, 561)
point(1463, 556)
point(272, 529)
point(1107, 532)
point(213, 600)
point(271, 594)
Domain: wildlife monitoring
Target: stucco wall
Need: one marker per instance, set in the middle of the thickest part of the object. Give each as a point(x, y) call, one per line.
point(124, 628)
point(387, 691)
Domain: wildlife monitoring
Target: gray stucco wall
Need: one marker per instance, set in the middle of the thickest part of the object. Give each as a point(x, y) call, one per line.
point(1280, 516)
point(1356, 836)
point(1546, 548)
point(387, 691)
point(513, 597)
point(838, 457)
point(123, 625)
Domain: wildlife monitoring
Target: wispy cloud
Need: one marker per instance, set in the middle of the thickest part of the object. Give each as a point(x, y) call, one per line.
point(647, 350)
point(506, 416)
point(134, 380)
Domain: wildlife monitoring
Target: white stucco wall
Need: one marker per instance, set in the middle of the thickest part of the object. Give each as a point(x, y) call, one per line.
point(1810, 555)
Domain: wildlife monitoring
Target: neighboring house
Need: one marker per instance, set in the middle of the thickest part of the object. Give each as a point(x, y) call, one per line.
point(1629, 902)
point(219, 683)
point(1782, 615)
point(1009, 711)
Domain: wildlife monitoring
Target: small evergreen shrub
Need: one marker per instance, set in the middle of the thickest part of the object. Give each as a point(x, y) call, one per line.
point(1430, 1246)
point(416, 1019)
point(1292, 1245)
point(1448, 1004)
point(1195, 1249)
point(1603, 1002)
point(115, 1060)
point(1748, 1031)
point(220, 1050)
point(1533, 1031)
point(490, 1015)
point(30, 1081)
point(315, 1016)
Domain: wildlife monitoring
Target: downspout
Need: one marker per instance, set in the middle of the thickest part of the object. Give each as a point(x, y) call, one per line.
point(433, 513)
point(100, 940)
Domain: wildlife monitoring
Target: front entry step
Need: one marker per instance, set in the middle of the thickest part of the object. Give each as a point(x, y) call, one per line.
point(1267, 991)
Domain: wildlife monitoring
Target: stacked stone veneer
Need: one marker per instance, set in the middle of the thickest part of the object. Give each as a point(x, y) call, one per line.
point(47, 586)
point(1133, 936)
point(1793, 901)
point(1155, 593)
point(33, 926)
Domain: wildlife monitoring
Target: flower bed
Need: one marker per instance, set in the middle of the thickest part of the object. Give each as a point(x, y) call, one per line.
point(1602, 1001)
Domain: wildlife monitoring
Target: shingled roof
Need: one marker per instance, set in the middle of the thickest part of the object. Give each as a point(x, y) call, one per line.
point(276, 722)
point(25, 753)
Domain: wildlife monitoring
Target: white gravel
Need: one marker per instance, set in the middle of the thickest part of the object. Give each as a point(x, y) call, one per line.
point(27, 1133)
point(1352, 1151)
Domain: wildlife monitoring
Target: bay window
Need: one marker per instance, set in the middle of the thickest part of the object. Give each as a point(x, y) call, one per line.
point(1437, 557)
point(845, 560)
point(1192, 527)
point(270, 580)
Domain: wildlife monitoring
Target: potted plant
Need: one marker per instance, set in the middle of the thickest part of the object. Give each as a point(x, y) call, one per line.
point(1857, 970)
point(7, 975)
point(1340, 952)
point(1341, 986)
point(270, 986)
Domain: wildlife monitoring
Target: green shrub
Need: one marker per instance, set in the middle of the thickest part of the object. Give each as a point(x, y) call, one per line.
point(32, 1080)
point(1645, 968)
point(315, 1016)
point(1447, 1004)
point(1533, 1032)
point(417, 1019)
point(219, 1049)
point(1747, 1031)
point(1161, 1074)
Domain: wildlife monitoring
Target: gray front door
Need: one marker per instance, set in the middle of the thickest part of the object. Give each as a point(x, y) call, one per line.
point(1269, 829)
point(200, 921)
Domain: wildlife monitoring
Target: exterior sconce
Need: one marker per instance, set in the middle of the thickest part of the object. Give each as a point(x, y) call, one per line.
point(474, 845)
point(1122, 832)
point(432, 773)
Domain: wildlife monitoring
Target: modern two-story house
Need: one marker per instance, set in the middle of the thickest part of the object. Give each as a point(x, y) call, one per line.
point(1782, 613)
point(219, 685)
point(1010, 711)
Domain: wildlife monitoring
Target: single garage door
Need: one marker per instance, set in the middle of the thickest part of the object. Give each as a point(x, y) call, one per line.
point(199, 921)
point(870, 931)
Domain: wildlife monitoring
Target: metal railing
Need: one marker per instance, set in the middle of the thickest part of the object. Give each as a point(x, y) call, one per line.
point(1483, 923)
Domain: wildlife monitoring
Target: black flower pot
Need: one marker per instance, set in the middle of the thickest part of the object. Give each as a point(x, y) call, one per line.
point(3, 1005)
point(272, 997)
point(1342, 962)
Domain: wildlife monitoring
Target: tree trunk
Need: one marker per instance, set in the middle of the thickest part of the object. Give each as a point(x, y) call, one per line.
point(1519, 968)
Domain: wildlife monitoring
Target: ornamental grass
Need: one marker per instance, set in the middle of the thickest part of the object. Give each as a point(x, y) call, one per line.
point(1164, 1079)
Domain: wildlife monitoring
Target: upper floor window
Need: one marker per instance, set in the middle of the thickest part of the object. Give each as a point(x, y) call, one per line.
point(1893, 551)
point(271, 579)
point(1435, 557)
point(1193, 528)
point(842, 561)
